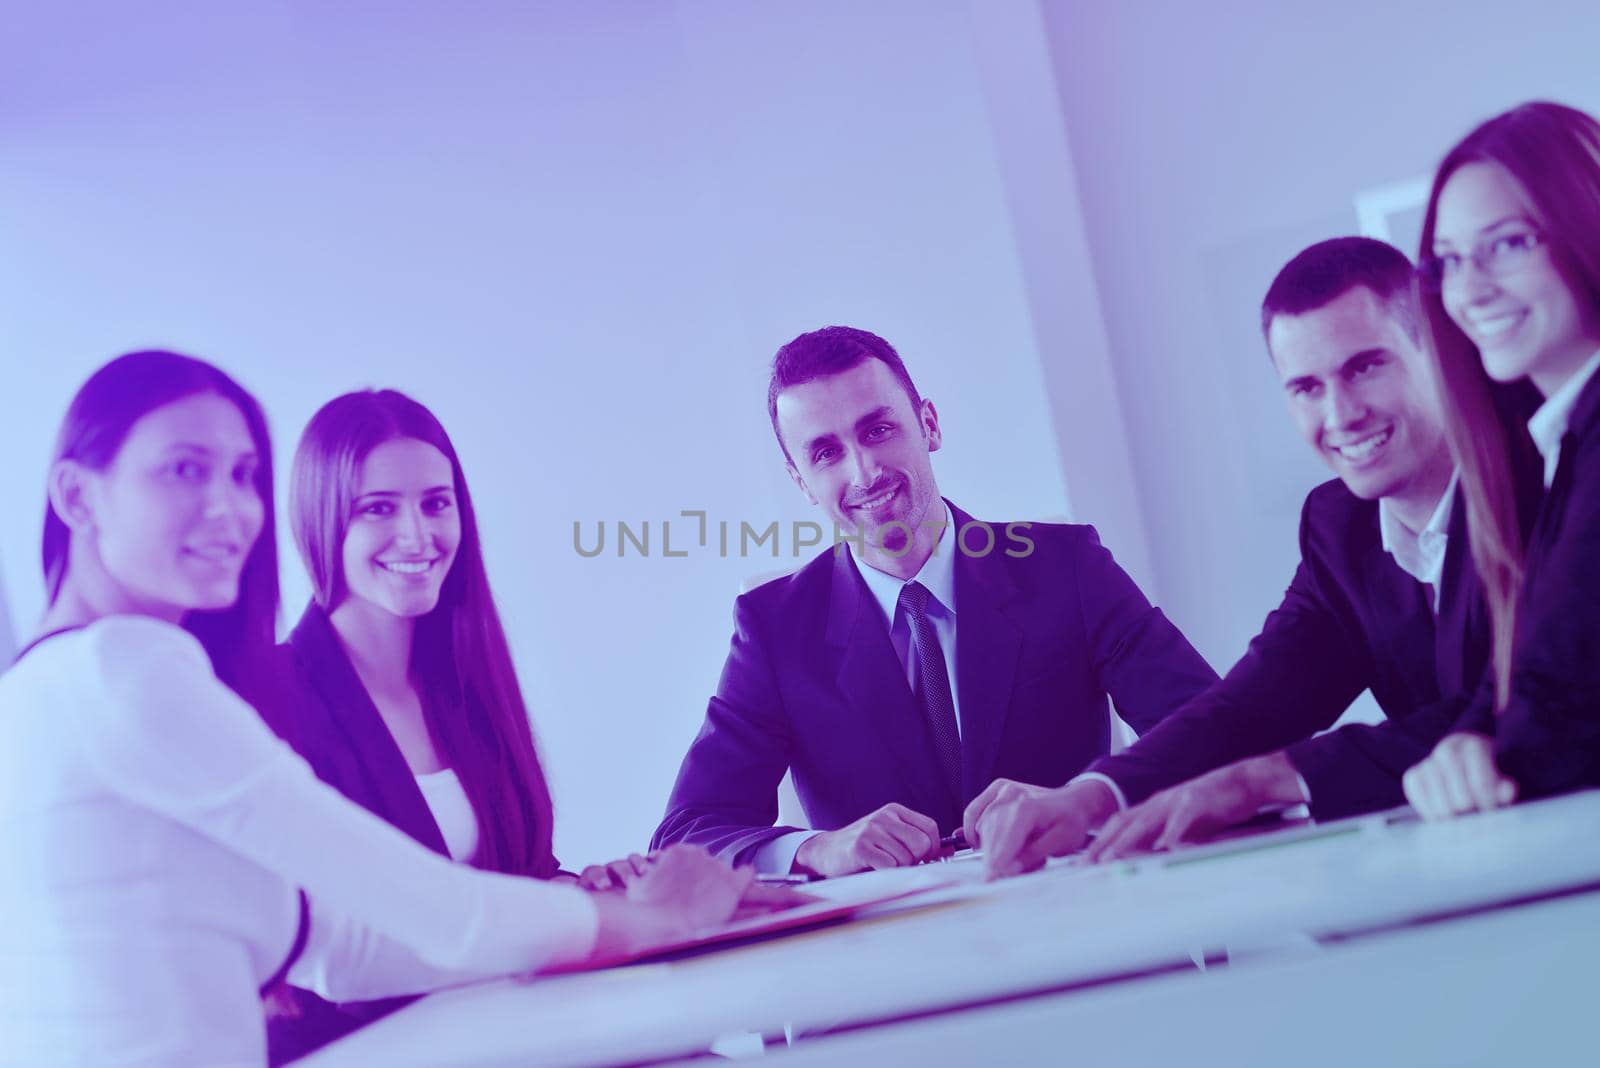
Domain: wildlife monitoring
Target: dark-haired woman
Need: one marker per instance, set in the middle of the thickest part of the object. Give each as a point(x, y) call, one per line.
point(408, 701)
point(154, 829)
point(1511, 252)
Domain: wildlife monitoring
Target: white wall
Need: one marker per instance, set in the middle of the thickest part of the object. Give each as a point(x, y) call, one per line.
point(578, 232)
point(1212, 142)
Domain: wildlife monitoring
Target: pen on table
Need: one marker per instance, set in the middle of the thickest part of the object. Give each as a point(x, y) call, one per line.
point(953, 842)
point(783, 879)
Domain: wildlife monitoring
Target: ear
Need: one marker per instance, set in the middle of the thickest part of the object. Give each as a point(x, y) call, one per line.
point(800, 483)
point(929, 417)
point(71, 496)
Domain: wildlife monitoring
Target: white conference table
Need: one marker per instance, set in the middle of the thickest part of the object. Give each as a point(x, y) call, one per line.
point(1503, 988)
point(1055, 938)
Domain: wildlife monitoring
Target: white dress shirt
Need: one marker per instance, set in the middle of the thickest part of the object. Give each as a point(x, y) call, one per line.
point(153, 832)
point(938, 574)
point(1420, 554)
point(1549, 424)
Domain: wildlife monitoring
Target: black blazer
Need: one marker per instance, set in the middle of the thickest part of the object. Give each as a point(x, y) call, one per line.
point(333, 724)
point(812, 684)
point(1548, 736)
point(1351, 620)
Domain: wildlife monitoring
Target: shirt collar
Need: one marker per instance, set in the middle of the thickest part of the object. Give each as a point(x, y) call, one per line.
point(938, 574)
point(1420, 555)
point(1549, 424)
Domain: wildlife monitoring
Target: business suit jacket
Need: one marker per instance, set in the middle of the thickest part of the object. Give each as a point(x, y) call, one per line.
point(1548, 736)
point(812, 684)
point(331, 722)
point(1351, 620)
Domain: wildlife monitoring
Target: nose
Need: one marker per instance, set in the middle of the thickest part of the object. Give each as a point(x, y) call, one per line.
point(1345, 409)
point(1473, 283)
point(863, 466)
point(228, 499)
point(409, 530)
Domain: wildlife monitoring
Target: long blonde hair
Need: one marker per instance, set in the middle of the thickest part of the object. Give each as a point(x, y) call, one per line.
point(1553, 151)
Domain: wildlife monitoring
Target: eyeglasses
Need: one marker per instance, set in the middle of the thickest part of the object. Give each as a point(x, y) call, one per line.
point(1497, 256)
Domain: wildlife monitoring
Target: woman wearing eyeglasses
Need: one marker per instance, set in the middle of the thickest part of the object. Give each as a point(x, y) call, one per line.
point(154, 831)
point(1511, 265)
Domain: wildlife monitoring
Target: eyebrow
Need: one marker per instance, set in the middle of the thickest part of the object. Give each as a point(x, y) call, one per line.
point(881, 412)
point(1503, 221)
point(205, 450)
point(396, 493)
point(1364, 354)
point(818, 441)
point(1375, 352)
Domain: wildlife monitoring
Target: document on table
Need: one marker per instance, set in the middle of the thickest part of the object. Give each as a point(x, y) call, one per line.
point(840, 903)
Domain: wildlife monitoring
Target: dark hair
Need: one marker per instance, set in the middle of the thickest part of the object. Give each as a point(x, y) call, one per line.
point(1328, 270)
point(470, 695)
point(831, 350)
point(238, 638)
point(1553, 152)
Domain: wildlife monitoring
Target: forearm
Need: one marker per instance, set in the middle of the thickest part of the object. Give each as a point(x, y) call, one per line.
point(345, 960)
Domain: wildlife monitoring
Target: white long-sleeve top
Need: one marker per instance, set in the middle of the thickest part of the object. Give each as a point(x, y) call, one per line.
point(152, 834)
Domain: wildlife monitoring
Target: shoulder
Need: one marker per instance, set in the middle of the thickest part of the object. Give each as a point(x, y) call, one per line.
point(1058, 537)
point(785, 594)
point(1331, 509)
point(120, 662)
point(1339, 536)
point(137, 657)
point(140, 645)
point(1028, 546)
point(108, 661)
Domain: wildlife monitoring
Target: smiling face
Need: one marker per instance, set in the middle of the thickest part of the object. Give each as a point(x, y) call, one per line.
point(1524, 318)
point(859, 449)
point(404, 529)
point(174, 515)
point(1352, 375)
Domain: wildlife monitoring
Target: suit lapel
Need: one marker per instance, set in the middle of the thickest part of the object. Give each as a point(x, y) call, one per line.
point(1456, 643)
point(988, 643)
point(873, 685)
point(1461, 640)
point(1548, 521)
point(1401, 621)
point(355, 729)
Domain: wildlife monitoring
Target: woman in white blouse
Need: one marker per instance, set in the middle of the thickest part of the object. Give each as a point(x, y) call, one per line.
point(154, 831)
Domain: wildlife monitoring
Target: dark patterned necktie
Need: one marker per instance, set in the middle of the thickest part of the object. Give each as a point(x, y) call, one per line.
point(933, 684)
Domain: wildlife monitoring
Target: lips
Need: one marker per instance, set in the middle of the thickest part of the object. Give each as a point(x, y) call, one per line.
point(220, 554)
point(1494, 327)
point(879, 499)
point(1363, 449)
point(408, 567)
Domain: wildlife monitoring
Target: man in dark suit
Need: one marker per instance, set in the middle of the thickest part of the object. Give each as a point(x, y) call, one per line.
point(896, 674)
point(1385, 599)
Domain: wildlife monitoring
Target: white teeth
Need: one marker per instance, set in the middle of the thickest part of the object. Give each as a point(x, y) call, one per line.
point(877, 501)
point(1495, 325)
point(1361, 450)
point(405, 567)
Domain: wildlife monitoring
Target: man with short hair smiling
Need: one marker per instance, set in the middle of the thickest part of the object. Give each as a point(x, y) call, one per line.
point(900, 672)
point(1384, 599)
